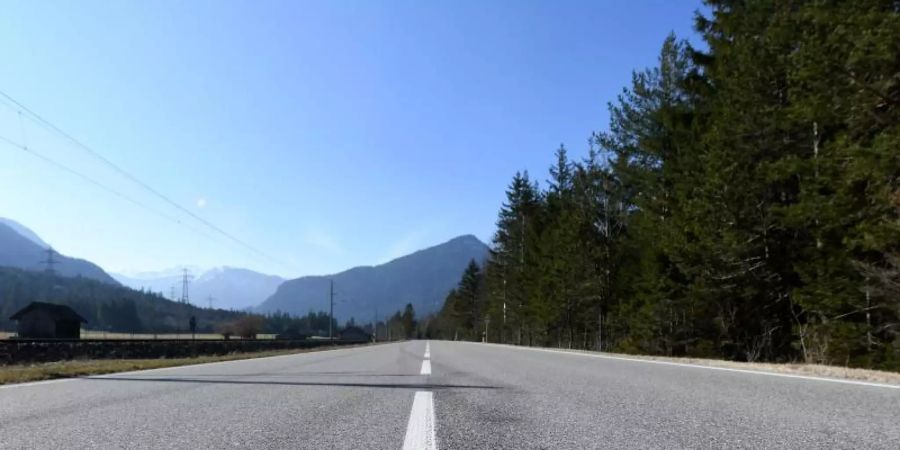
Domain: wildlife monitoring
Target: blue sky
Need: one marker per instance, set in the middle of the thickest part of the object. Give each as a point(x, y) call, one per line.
point(325, 134)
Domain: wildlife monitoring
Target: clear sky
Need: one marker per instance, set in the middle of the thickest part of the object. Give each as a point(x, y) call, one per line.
point(325, 134)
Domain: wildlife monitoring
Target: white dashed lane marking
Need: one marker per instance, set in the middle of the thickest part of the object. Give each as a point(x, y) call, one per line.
point(420, 429)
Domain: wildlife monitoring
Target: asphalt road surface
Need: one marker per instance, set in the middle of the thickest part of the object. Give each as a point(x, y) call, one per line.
point(446, 395)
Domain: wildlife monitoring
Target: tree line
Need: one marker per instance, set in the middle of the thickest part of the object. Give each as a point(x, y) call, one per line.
point(120, 309)
point(106, 307)
point(743, 204)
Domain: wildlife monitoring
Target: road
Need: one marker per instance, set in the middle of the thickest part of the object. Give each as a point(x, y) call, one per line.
point(447, 395)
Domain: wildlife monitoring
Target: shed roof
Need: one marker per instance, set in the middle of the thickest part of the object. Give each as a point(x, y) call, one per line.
point(57, 312)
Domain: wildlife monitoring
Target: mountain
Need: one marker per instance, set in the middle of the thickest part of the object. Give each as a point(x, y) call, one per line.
point(158, 283)
point(230, 287)
point(24, 231)
point(422, 278)
point(164, 273)
point(106, 306)
point(23, 249)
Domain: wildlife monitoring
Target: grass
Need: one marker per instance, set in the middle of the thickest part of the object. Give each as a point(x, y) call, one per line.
point(796, 368)
point(816, 370)
point(95, 334)
point(21, 373)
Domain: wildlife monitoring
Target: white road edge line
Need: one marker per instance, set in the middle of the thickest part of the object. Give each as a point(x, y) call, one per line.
point(36, 383)
point(698, 366)
point(426, 368)
point(420, 429)
point(162, 369)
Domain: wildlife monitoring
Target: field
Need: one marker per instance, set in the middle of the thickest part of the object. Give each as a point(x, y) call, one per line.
point(20, 373)
point(93, 334)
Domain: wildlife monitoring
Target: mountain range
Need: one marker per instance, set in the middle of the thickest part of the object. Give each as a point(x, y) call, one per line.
point(229, 287)
point(423, 278)
point(23, 249)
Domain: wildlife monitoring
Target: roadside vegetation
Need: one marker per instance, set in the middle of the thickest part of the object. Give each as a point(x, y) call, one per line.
point(797, 368)
point(114, 311)
point(21, 373)
point(744, 204)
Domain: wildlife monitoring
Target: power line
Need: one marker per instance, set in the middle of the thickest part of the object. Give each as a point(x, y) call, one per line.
point(48, 125)
point(97, 184)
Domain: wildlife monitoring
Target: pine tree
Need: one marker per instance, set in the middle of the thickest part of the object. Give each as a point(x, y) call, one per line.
point(743, 204)
point(515, 255)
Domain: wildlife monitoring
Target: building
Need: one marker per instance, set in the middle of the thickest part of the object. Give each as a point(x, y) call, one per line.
point(41, 320)
point(355, 334)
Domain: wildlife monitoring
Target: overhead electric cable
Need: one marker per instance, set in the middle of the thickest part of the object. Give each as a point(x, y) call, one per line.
point(97, 184)
point(50, 126)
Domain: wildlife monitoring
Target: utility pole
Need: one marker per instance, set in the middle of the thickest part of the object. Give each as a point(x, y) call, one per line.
point(331, 313)
point(503, 327)
point(185, 279)
point(375, 325)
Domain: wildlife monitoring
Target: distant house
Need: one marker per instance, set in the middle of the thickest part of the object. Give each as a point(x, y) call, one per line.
point(354, 334)
point(41, 320)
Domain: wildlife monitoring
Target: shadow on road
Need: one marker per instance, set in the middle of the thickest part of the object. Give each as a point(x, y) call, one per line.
point(297, 383)
point(301, 374)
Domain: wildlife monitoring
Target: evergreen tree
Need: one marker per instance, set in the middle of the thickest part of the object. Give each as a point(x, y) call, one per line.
point(744, 203)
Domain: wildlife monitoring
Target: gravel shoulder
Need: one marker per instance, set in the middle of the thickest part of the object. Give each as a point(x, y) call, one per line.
point(812, 370)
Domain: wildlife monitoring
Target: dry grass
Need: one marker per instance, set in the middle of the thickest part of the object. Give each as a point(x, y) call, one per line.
point(20, 373)
point(94, 334)
point(816, 370)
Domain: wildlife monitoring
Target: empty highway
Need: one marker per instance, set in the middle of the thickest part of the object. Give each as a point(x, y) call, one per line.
point(447, 395)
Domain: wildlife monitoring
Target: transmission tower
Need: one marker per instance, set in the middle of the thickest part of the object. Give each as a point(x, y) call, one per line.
point(210, 299)
point(185, 280)
point(50, 261)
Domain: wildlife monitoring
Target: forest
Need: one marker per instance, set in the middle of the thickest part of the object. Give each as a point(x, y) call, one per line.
point(106, 307)
point(120, 309)
point(742, 204)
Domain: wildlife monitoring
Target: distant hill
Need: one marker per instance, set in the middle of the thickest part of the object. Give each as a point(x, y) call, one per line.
point(422, 278)
point(230, 287)
point(105, 306)
point(24, 231)
point(23, 249)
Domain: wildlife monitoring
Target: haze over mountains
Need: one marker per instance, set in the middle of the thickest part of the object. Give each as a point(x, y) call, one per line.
point(423, 278)
point(22, 248)
point(230, 287)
